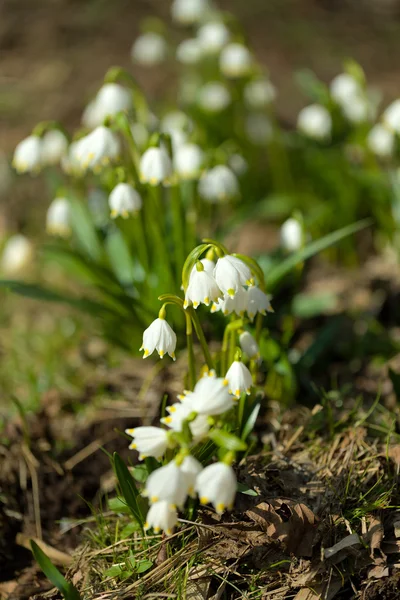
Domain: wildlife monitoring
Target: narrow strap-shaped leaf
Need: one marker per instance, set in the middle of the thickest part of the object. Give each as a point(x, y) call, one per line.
point(68, 590)
point(134, 500)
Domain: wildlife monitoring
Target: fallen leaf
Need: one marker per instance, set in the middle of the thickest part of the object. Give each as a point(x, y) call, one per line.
point(374, 536)
point(346, 546)
point(378, 572)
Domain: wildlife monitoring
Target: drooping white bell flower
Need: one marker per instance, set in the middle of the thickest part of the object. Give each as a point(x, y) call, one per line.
point(257, 302)
point(357, 110)
point(191, 468)
point(180, 411)
point(381, 141)
point(17, 254)
point(213, 37)
point(161, 516)
point(155, 166)
point(217, 484)
point(258, 129)
point(189, 52)
point(236, 304)
point(149, 49)
point(239, 379)
point(231, 273)
point(58, 217)
point(70, 163)
point(148, 441)
point(315, 122)
point(189, 12)
point(161, 337)
point(28, 155)
point(54, 147)
point(259, 93)
point(188, 160)
point(124, 200)
point(202, 288)
point(214, 97)
point(249, 345)
point(91, 117)
point(98, 149)
point(291, 235)
point(111, 99)
point(177, 124)
point(236, 60)
point(391, 116)
point(211, 396)
point(219, 184)
point(209, 266)
point(344, 88)
point(167, 483)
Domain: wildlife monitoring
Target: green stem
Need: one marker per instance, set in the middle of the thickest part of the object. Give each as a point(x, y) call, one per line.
point(141, 242)
point(188, 195)
point(177, 231)
point(191, 357)
point(122, 123)
point(231, 327)
point(159, 239)
point(200, 334)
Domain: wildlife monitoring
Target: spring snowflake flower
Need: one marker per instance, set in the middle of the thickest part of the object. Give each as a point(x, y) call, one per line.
point(161, 337)
point(231, 274)
point(167, 483)
point(344, 88)
point(191, 468)
point(259, 93)
point(149, 49)
point(124, 200)
point(162, 516)
point(249, 345)
point(257, 302)
point(202, 288)
point(219, 184)
point(211, 396)
point(189, 52)
point(70, 163)
point(235, 60)
point(148, 441)
point(28, 155)
point(381, 141)
point(180, 411)
point(98, 149)
point(315, 122)
point(357, 110)
point(58, 218)
point(155, 166)
point(189, 12)
point(217, 484)
point(214, 97)
point(17, 254)
point(212, 37)
point(391, 116)
point(111, 99)
point(209, 266)
point(236, 304)
point(291, 235)
point(54, 147)
point(239, 379)
point(188, 160)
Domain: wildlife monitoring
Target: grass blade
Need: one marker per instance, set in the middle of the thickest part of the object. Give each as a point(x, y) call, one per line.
point(134, 500)
point(68, 590)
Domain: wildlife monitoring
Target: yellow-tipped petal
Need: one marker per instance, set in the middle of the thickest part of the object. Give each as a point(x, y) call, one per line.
point(154, 499)
point(132, 446)
point(203, 500)
point(220, 507)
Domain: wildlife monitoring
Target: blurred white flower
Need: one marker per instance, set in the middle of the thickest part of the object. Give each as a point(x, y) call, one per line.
point(231, 273)
point(162, 516)
point(189, 52)
point(259, 93)
point(111, 99)
point(235, 60)
point(214, 97)
point(238, 164)
point(217, 484)
point(344, 88)
point(188, 160)
point(17, 254)
point(191, 468)
point(58, 218)
point(257, 302)
point(124, 200)
point(149, 49)
point(213, 37)
point(239, 379)
point(155, 166)
point(167, 483)
point(28, 155)
point(381, 141)
point(315, 122)
point(249, 345)
point(291, 235)
point(148, 441)
point(211, 396)
point(54, 147)
point(219, 184)
point(97, 149)
point(391, 116)
point(177, 125)
point(357, 110)
point(189, 12)
point(202, 289)
point(161, 337)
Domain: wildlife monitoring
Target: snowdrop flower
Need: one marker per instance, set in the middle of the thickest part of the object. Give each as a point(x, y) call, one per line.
point(97, 149)
point(28, 155)
point(231, 274)
point(391, 116)
point(167, 483)
point(188, 160)
point(249, 345)
point(209, 266)
point(149, 49)
point(17, 254)
point(214, 97)
point(315, 121)
point(161, 337)
point(238, 164)
point(259, 93)
point(162, 516)
point(58, 218)
point(124, 200)
point(188, 12)
point(111, 99)
point(258, 129)
point(344, 88)
point(218, 184)
point(217, 484)
point(239, 379)
point(202, 288)
point(54, 146)
point(257, 302)
point(189, 52)
point(148, 441)
point(381, 141)
point(213, 37)
point(236, 304)
point(155, 166)
point(191, 468)
point(211, 396)
point(235, 60)
point(291, 235)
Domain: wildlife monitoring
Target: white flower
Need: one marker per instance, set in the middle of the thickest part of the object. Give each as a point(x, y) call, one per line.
point(391, 116)
point(357, 110)
point(97, 149)
point(54, 146)
point(214, 97)
point(381, 141)
point(249, 345)
point(191, 468)
point(155, 166)
point(177, 124)
point(315, 121)
point(209, 266)
point(188, 12)
point(211, 396)
point(259, 93)
point(111, 99)
point(161, 337)
point(218, 184)
point(28, 155)
point(236, 304)
point(235, 60)
point(124, 200)
point(17, 254)
point(189, 52)
point(162, 516)
point(180, 411)
point(344, 88)
point(202, 289)
point(238, 164)
point(257, 302)
point(217, 484)
point(231, 274)
point(91, 115)
point(148, 441)
point(213, 37)
point(291, 235)
point(70, 162)
point(58, 218)
point(149, 49)
point(239, 379)
point(258, 128)
point(188, 160)
point(167, 483)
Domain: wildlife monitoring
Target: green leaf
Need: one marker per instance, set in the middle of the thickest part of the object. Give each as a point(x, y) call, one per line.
point(249, 425)
point(120, 257)
point(140, 473)
point(306, 306)
point(136, 503)
point(244, 489)
point(84, 230)
point(192, 258)
point(118, 505)
point(312, 86)
point(143, 566)
point(67, 589)
point(226, 440)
